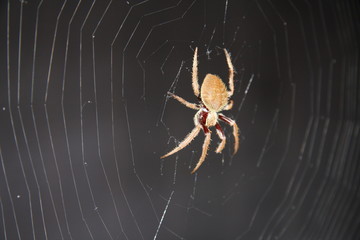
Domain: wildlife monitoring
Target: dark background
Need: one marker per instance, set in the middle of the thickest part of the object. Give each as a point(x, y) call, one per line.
point(84, 119)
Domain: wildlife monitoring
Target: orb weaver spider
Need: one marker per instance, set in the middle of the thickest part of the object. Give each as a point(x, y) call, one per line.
point(214, 98)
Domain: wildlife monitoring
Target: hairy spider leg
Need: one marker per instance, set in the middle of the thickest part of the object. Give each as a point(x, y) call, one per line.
point(195, 78)
point(231, 73)
point(235, 130)
point(202, 121)
point(221, 135)
point(183, 101)
point(185, 142)
point(205, 148)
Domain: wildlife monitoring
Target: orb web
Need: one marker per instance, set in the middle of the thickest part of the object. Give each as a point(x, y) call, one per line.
point(85, 117)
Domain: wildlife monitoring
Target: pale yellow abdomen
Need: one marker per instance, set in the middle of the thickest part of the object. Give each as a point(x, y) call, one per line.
point(214, 93)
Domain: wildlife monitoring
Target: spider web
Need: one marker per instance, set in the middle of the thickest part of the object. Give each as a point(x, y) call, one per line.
point(85, 117)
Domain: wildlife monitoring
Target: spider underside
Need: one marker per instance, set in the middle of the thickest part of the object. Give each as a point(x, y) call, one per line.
point(214, 98)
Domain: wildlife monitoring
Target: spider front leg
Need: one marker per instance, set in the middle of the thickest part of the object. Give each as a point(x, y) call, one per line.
point(235, 130)
point(205, 148)
point(185, 142)
point(221, 135)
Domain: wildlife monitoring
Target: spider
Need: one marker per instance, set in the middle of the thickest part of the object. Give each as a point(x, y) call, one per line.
point(214, 98)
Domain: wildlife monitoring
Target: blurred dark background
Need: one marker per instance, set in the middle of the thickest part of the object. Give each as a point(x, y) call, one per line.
point(84, 119)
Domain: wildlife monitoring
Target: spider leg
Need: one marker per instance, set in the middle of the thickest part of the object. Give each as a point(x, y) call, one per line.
point(229, 106)
point(185, 142)
point(183, 101)
point(231, 73)
point(195, 80)
point(205, 148)
point(235, 130)
point(221, 135)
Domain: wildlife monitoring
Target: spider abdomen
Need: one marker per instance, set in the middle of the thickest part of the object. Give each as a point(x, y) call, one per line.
point(214, 94)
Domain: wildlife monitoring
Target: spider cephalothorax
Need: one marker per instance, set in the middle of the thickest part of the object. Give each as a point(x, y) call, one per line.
point(214, 98)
